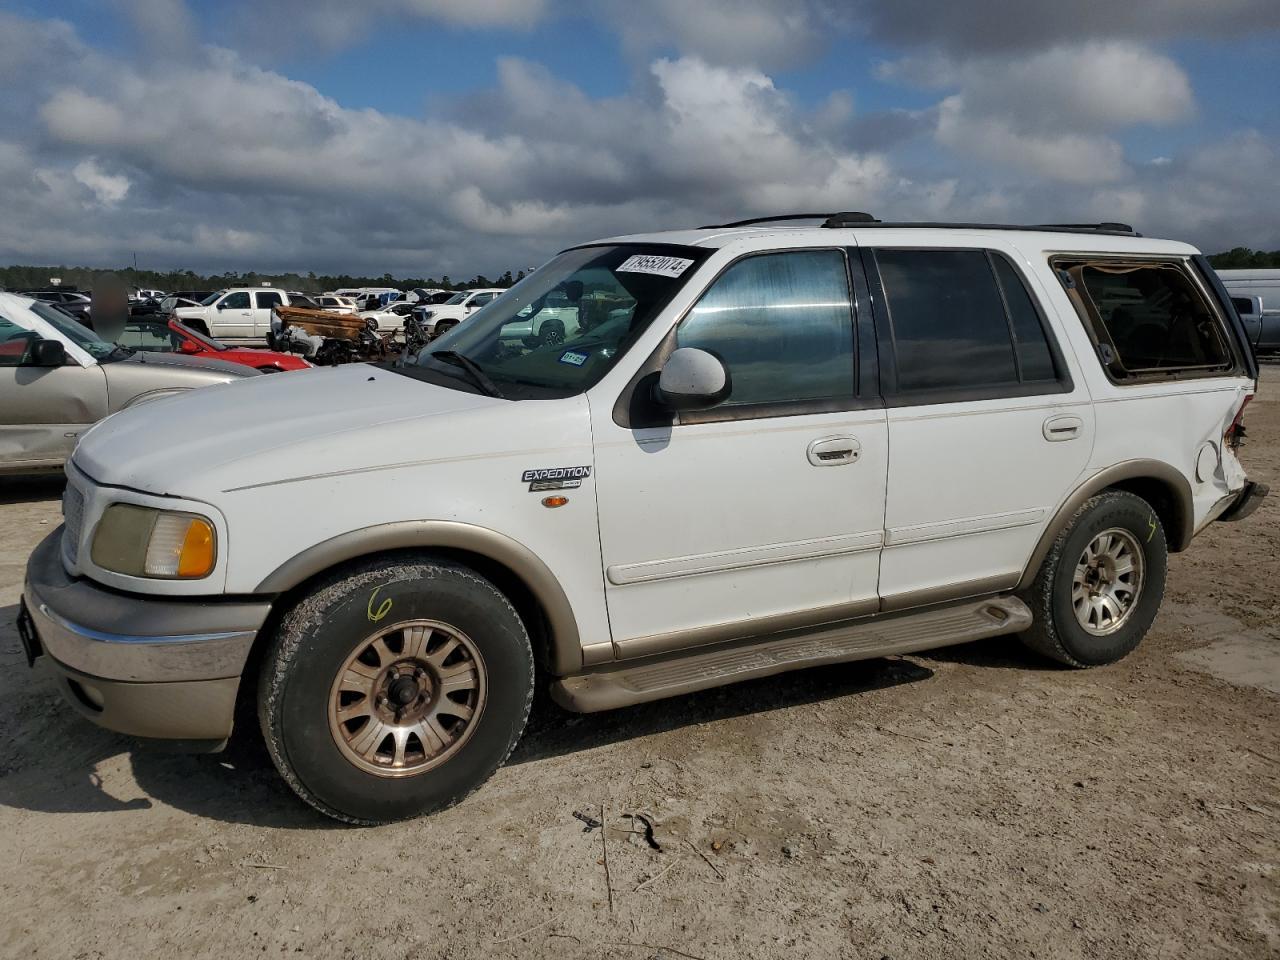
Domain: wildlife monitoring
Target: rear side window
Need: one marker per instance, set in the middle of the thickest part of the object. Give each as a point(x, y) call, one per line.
point(962, 320)
point(1148, 319)
point(783, 325)
point(1243, 305)
point(267, 300)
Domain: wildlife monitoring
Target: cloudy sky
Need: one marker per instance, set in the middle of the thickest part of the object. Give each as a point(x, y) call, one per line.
point(423, 137)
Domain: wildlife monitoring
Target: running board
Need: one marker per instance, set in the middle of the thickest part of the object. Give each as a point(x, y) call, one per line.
point(623, 684)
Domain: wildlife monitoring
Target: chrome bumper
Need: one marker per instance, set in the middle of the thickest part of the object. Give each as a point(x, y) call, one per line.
point(147, 666)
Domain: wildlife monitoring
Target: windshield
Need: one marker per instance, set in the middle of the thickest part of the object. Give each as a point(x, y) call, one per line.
point(209, 300)
point(457, 298)
point(562, 328)
point(81, 336)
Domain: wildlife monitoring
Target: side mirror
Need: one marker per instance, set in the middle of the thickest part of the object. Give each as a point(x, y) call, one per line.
point(47, 353)
point(187, 346)
point(693, 379)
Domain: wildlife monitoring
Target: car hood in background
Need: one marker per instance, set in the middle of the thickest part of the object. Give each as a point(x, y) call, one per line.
point(271, 429)
point(183, 361)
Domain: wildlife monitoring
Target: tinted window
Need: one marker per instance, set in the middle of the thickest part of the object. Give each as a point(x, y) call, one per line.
point(236, 301)
point(782, 324)
point(267, 300)
point(1035, 362)
point(1243, 305)
point(948, 319)
point(154, 337)
point(14, 342)
point(1154, 318)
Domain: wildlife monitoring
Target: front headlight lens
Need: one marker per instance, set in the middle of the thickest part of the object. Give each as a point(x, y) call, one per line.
point(144, 542)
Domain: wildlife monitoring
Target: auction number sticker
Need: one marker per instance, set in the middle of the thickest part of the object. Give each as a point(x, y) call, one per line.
point(571, 357)
point(660, 266)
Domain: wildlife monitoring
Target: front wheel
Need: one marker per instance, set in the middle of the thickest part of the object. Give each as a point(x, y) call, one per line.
point(395, 689)
point(1099, 589)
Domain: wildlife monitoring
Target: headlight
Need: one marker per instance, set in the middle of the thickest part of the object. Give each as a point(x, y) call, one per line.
point(143, 542)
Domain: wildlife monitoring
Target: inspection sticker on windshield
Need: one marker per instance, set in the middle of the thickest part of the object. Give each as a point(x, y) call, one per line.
point(573, 357)
point(661, 266)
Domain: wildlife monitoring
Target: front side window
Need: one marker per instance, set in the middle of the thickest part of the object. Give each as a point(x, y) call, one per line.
point(1148, 319)
point(236, 301)
point(77, 333)
point(15, 343)
point(610, 294)
point(783, 325)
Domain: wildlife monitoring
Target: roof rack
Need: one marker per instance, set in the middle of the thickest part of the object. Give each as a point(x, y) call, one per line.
point(834, 221)
point(844, 218)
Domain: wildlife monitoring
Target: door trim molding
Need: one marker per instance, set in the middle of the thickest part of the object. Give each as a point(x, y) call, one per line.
point(963, 527)
point(652, 570)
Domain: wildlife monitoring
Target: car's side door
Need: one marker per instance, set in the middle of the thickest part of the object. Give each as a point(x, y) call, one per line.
point(43, 409)
point(988, 429)
point(232, 316)
point(766, 511)
point(264, 302)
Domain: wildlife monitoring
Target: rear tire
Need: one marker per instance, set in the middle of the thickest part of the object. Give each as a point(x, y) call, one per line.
point(395, 689)
point(1099, 589)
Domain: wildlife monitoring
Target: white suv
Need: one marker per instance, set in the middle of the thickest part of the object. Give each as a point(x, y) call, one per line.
point(774, 446)
point(239, 315)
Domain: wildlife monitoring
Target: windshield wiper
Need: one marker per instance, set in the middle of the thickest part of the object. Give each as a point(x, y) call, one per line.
point(472, 369)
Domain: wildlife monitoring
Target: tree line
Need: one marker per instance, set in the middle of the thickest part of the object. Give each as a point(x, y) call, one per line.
point(1242, 258)
point(82, 278)
point(21, 277)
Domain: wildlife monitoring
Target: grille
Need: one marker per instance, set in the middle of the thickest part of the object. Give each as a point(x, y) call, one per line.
point(73, 518)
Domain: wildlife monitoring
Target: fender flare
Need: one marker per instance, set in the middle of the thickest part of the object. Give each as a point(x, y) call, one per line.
point(1182, 529)
point(565, 653)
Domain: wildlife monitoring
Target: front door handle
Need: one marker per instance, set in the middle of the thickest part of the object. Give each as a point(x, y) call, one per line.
point(1062, 428)
point(834, 451)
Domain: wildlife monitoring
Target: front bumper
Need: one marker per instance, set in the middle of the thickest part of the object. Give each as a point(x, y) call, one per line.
point(146, 666)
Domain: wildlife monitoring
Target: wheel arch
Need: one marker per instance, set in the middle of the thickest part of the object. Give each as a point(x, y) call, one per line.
point(1158, 483)
point(512, 567)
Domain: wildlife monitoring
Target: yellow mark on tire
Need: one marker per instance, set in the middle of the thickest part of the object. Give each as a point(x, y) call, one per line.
point(383, 608)
point(1151, 522)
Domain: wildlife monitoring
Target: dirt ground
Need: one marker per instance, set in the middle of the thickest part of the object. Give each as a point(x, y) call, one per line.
point(974, 803)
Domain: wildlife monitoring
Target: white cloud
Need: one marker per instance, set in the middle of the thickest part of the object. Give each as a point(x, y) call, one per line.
point(1051, 113)
point(109, 189)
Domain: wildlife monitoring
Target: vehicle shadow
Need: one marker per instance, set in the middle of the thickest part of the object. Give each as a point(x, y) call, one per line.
point(240, 785)
point(1007, 653)
point(32, 488)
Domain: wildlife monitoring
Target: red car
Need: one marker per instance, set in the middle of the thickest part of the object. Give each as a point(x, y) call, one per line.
point(172, 337)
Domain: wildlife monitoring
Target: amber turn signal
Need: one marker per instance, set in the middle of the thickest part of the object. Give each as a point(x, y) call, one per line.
point(554, 501)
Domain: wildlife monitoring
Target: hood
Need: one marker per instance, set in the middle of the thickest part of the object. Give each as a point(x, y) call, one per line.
point(186, 362)
point(265, 429)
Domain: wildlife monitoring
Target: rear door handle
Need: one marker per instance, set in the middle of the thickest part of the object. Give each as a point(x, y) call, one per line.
point(1062, 428)
point(834, 451)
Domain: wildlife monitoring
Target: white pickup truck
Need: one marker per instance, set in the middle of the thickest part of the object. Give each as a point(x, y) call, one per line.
point(238, 315)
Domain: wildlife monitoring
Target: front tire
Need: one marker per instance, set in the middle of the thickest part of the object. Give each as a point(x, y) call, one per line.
point(1099, 589)
point(395, 689)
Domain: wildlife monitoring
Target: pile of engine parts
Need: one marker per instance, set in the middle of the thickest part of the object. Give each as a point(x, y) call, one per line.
point(327, 339)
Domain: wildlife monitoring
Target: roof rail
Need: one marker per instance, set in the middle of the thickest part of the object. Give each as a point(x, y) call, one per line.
point(828, 217)
point(835, 221)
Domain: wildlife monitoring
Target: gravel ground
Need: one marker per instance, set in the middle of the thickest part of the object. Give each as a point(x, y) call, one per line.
point(976, 802)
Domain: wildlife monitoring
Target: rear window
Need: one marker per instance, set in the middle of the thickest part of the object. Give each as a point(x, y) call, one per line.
point(1148, 319)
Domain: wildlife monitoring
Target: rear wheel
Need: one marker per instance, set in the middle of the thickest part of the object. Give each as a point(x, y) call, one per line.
point(395, 689)
point(1099, 589)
